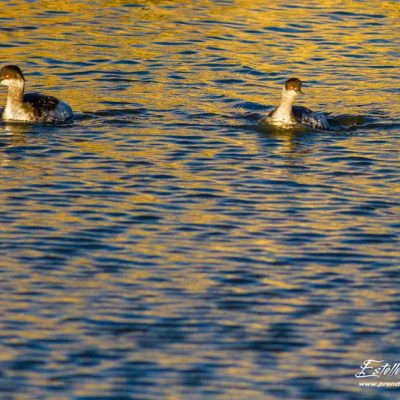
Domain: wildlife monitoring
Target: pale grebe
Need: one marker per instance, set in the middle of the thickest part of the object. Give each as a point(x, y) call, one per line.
point(29, 107)
point(287, 115)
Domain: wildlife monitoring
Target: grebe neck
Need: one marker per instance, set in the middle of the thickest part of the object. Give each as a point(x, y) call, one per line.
point(15, 93)
point(284, 111)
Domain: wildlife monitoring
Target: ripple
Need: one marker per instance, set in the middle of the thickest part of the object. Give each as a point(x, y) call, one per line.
point(163, 244)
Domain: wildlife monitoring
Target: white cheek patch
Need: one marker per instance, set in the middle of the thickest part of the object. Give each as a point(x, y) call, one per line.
point(5, 82)
point(291, 94)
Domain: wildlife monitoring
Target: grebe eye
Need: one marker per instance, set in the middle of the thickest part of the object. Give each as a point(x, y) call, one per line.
point(7, 76)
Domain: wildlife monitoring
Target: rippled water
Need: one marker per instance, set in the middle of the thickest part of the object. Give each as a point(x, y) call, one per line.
point(163, 245)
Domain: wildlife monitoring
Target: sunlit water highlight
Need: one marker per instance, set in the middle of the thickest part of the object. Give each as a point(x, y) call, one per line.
point(164, 245)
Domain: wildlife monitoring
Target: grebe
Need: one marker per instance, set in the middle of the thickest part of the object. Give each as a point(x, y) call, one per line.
point(287, 115)
point(29, 107)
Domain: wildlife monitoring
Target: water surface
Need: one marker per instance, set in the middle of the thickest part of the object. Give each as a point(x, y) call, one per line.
point(163, 246)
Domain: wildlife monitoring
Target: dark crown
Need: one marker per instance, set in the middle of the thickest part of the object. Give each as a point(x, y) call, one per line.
point(11, 72)
point(293, 84)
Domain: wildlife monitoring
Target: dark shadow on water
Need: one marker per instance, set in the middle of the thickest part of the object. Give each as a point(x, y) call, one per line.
point(349, 122)
point(114, 112)
point(26, 128)
point(112, 116)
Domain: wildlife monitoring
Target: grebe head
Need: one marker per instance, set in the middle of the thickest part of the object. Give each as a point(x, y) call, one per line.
point(292, 88)
point(11, 74)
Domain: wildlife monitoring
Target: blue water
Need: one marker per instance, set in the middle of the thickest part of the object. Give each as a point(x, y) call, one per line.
point(163, 245)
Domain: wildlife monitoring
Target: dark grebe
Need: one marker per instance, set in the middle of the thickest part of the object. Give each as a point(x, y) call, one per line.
point(287, 115)
point(29, 107)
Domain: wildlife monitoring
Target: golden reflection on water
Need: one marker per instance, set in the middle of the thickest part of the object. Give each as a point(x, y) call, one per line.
point(78, 54)
point(92, 41)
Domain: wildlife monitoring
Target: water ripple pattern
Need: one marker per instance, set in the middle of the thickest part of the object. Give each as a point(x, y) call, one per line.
point(162, 245)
